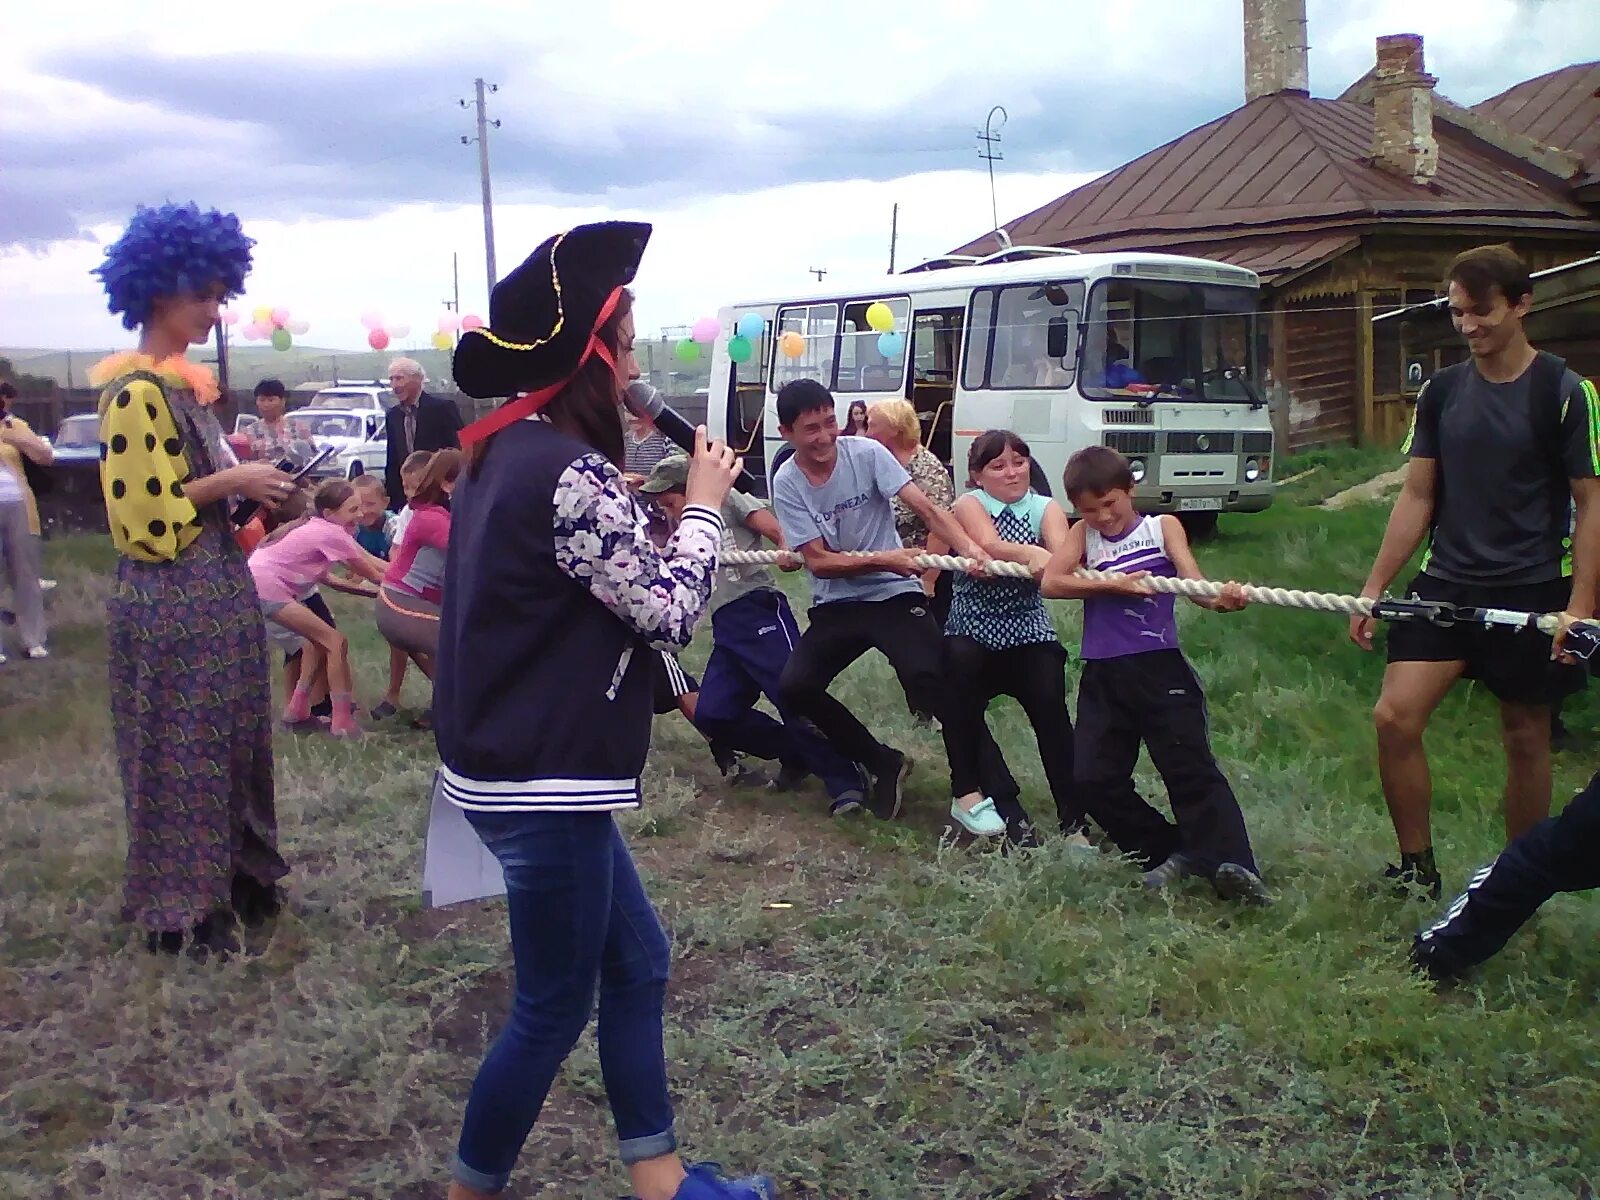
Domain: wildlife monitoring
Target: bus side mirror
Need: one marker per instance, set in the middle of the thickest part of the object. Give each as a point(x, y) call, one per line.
point(1058, 338)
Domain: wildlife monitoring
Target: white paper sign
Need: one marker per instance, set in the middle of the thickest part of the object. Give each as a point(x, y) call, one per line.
point(456, 865)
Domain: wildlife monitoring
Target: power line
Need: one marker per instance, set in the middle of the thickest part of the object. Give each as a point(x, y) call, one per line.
point(482, 90)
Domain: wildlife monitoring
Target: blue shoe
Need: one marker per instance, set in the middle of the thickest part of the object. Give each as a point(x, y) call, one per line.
point(983, 820)
point(707, 1182)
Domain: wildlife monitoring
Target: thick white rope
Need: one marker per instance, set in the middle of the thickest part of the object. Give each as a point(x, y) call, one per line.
point(1332, 602)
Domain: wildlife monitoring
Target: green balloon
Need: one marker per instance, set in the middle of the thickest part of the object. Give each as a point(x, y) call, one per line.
point(688, 350)
point(281, 339)
point(739, 349)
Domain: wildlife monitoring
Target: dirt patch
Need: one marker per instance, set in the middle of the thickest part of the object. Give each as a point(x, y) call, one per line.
point(1380, 487)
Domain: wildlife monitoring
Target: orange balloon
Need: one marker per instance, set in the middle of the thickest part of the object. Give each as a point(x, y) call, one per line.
point(792, 344)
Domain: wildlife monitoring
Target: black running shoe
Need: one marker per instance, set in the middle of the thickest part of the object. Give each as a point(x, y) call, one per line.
point(1242, 885)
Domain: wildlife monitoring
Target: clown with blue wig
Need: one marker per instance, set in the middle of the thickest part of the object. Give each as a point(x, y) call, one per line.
point(190, 685)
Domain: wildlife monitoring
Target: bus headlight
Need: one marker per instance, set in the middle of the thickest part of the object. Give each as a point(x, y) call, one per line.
point(1136, 466)
point(1252, 470)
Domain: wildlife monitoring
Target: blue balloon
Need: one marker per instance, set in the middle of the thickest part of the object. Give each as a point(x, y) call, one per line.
point(751, 326)
point(891, 344)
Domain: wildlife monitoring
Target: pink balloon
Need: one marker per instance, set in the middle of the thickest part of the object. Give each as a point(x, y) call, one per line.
point(378, 339)
point(449, 323)
point(706, 329)
point(372, 319)
point(250, 331)
point(280, 317)
point(471, 322)
point(228, 317)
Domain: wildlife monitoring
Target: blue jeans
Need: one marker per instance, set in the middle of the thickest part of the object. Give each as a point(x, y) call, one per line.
point(580, 923)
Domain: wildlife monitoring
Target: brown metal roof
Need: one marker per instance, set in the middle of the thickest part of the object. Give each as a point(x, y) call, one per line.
point(1561, 109)
point(1295, 165)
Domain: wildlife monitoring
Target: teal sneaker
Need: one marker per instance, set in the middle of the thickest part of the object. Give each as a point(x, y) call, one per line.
point(981, 820)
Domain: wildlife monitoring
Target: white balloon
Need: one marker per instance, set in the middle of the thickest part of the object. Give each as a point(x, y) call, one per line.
point(400, 331)
point(298, 327)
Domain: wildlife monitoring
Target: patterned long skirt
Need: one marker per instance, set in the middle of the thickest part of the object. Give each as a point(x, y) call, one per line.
point(191, 708)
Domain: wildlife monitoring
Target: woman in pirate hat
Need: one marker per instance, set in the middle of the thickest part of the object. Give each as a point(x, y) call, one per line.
point(554, 602)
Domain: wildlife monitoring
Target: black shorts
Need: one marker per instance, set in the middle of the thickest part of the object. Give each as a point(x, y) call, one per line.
point(1515, 665)
point(318, 605)
point(671, 681)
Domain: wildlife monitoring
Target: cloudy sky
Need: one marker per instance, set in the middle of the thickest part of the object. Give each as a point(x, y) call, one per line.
point(761, 138)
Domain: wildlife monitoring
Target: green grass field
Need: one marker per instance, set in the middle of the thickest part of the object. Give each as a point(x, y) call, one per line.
point(926, 1019)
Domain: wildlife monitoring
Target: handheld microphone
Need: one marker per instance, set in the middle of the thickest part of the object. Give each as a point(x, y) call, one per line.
point(645, 401)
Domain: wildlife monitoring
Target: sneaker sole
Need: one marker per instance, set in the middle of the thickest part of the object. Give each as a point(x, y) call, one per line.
point(902, 773)
point(845, 808)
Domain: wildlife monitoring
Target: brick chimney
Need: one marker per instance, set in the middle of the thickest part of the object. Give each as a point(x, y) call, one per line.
point(1402, 110)
point(1275, 48)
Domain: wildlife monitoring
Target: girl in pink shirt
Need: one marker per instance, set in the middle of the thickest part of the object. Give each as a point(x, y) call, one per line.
point(407, 607)
point(287, 571)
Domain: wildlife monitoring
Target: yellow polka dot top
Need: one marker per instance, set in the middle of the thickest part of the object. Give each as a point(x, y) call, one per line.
point(142, 473)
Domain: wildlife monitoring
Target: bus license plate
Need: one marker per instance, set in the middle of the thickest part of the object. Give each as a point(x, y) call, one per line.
point(1200, 504)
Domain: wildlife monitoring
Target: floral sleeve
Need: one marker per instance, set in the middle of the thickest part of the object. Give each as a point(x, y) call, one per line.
point(602, 542)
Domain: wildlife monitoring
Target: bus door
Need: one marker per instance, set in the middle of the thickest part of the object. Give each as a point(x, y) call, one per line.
point(746, 401)
point(931, 388)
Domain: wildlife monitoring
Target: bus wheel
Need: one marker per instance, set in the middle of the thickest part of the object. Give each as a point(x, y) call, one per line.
point(1199, 525)
point(356, 470)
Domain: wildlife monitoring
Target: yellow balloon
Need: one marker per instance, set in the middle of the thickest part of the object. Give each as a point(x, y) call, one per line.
point(441, 340)
point(792, 344)
point(262, 313)
point(880, 316)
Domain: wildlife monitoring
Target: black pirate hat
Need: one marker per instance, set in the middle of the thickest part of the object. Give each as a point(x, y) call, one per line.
point(543, 317)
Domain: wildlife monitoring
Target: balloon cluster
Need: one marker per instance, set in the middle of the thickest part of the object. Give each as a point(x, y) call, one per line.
point(267, 324)
point(703, 332)
point(792, 343)
point(449, 325)
point(381, 333)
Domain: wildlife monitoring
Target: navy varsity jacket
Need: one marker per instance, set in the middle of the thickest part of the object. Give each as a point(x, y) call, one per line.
point(554, 597)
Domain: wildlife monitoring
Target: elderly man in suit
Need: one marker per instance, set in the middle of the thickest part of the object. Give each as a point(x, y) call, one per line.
point(419, 422)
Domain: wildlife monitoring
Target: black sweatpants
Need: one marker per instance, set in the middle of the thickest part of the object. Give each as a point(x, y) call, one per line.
point(901, 629)
point(1559, 854)
point(1035, 676)
point(1155, 698)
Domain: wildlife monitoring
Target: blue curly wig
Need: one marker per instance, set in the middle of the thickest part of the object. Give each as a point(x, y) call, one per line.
point(173, 250)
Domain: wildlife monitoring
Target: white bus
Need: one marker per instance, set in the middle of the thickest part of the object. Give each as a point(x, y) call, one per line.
point(1152, 354)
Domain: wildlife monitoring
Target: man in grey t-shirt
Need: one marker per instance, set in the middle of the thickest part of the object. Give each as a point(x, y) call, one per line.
point(833, 499)
point(1501, 446)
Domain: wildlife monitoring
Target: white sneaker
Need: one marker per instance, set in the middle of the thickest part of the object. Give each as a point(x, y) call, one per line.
point(981, 821)
point(38, 652)
point(2, 658)
point(46, 584)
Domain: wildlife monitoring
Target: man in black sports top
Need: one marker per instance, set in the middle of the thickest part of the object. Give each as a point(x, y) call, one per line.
point(1500, 446)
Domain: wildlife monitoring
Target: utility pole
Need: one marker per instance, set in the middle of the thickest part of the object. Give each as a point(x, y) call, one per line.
point(894, 234)
point(990, 137)
point(483, 89)
point(819, 272)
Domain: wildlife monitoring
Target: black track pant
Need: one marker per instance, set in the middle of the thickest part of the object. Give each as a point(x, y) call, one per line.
point(1560, 854)
point(901, 629)
point(1035, 676)
point(1156, 699)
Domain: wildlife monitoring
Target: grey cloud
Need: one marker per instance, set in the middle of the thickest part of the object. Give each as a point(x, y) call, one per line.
point(351, 139)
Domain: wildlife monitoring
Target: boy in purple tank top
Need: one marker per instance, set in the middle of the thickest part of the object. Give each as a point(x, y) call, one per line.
point(1137, 687)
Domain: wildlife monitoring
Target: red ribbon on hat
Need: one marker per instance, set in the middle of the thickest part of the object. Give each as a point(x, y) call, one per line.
point(526, 404)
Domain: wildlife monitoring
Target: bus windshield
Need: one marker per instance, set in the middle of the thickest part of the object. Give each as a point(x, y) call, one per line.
point(1149, 339)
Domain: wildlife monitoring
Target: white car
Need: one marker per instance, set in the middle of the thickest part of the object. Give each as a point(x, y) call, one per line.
point(355, 394)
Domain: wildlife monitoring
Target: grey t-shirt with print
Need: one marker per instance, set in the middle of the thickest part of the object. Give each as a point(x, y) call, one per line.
point(852, 510)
